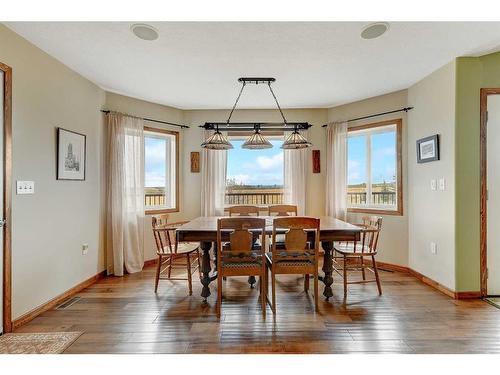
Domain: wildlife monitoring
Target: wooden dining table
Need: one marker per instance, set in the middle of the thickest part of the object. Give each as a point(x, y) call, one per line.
point(204, 230)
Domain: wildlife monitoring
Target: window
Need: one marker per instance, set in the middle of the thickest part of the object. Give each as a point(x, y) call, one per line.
point(374, 168)
point(254, 177)
point(160, 170)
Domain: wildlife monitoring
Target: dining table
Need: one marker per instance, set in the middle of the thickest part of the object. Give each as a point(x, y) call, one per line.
point(204, 230)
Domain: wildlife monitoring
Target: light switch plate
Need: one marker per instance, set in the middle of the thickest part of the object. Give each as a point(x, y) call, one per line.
point(433, 248)
point(433, 184)
point(442, 184)
point(85, 249)
point(25, 187)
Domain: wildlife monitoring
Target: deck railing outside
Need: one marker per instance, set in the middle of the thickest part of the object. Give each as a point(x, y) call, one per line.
point(378, 198)
point(155, 199)
point(254, 198)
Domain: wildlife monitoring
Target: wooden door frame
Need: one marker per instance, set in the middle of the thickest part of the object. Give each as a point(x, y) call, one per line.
point(483, 121)
point(7, 199)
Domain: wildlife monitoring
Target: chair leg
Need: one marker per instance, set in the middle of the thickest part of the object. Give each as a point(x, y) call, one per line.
point(376, 276)
point(306, 282)
point(219, 295)
point(158, 269)
point(263, 293)
point(363, 268)
point(199, 261)
point(190, 283)
point(169, 266)
point(273, 286)
point(345, 276)
point(316, 291)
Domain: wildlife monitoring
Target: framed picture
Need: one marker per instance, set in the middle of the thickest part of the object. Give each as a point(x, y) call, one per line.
point(428, 149)
point(316, 161)
point(70, 155)
point(195, 162)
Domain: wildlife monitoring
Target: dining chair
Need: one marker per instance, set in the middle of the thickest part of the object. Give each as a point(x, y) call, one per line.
point(243, 210)
point(173, 254)
point(353, 253)
point(282, 210)
point(298, 255)
point(237, 255)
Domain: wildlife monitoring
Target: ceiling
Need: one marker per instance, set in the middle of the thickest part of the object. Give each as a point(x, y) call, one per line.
point(195, 65)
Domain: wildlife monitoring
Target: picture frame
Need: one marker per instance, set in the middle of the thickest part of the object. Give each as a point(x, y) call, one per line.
point(428, 149)
point(316, 160)
point(71, 155)
point(195, 162)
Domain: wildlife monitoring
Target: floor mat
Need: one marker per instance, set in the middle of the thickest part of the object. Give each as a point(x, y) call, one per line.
point(37, 343)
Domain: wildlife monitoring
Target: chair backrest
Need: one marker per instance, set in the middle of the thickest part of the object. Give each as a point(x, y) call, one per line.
point(243, 210)
point(297, 244)
point(282, 210)
point(165, 235)
point(372, 226)
point(240, 232)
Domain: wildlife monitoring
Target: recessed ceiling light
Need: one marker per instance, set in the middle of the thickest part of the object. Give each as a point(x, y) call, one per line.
point(374, 30)
point(143, 31)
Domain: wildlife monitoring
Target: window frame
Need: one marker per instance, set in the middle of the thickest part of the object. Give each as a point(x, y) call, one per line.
point(399, 168)
point(176, 208)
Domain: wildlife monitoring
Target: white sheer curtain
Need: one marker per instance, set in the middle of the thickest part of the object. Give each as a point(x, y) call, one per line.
point(336, 170)
point(125, 194)
point(213, 181)
point(295, 163)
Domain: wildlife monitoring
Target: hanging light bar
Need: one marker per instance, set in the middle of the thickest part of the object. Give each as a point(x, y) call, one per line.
point(257, 141)
point(218, 141)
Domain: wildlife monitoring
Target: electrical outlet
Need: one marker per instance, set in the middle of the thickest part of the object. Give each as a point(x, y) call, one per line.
point(442, 184)
point(25, 187)
point(433, 248)
point(433, 184)
point(85, 249)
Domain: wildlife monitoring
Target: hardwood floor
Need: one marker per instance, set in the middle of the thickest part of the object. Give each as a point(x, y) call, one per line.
point(123, 315)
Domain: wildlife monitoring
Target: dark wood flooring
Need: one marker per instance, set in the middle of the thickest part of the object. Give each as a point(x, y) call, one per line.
point(124, 315)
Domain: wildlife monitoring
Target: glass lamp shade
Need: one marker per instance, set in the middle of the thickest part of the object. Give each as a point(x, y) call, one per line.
point(295, 141)
point(256, 142)
point(217, 141)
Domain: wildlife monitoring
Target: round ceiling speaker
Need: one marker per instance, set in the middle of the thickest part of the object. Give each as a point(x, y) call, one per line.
point(144, 32)
point(374, 30)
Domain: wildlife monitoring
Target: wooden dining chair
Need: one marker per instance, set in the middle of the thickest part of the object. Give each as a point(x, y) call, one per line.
point(173, 254)
point(298, 255)
point(237, 255)
point(243, 210)
point(282, 210)
point(353, 253)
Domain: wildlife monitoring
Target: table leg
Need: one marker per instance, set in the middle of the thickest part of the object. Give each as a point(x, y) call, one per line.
point(205, 269)
point(327, 269)
point(252, 280)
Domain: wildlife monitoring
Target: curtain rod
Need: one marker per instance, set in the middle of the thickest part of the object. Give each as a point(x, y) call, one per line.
point(406, 109)
point(153, 120)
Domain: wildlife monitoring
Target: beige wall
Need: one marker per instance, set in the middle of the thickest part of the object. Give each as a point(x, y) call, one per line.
point(49, 227)
point(315, 188)
point(393, 244)
point(142, 108)
point(432, 213)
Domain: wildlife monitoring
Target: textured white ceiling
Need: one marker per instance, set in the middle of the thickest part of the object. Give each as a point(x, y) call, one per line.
point(196, 65)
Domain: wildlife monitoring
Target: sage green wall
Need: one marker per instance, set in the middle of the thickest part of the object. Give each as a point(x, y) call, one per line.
point(472, 74)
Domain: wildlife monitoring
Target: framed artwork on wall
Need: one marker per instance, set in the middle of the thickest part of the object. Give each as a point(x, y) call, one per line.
point(316, 161)
point(195, 162)
point(428, 149)
point(70, 155)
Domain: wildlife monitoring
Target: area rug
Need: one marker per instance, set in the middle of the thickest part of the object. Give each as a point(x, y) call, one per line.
point(495, 301)
point(37, 343)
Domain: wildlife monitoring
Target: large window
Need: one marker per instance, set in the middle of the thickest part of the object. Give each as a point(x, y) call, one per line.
point(254, 176)
point(374, 168)
point(160, 170)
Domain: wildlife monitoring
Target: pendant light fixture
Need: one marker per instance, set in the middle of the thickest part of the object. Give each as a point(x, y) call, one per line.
point(295, 141)
point(256, 141)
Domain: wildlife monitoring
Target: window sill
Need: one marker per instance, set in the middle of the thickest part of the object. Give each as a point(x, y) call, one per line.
point(375, 211)
point(158, 211)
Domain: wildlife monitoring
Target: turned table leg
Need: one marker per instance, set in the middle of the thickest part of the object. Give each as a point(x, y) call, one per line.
point(205, 269)
point(327, 269)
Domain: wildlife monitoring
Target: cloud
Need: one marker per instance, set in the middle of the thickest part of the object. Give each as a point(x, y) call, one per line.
point(154, 152)
point(353, 172)
point(267, 163)
point(154, 179)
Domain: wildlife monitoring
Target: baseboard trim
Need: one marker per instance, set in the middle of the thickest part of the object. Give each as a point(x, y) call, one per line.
point(428, 281)
point(150, 262)
point(29, 316)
